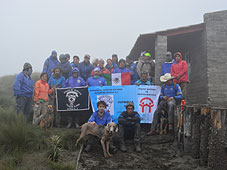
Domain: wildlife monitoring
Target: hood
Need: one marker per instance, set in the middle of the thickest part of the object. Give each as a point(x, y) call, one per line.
point(178, 53)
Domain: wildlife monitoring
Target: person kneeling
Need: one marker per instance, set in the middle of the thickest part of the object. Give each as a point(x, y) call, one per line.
point(129, 123)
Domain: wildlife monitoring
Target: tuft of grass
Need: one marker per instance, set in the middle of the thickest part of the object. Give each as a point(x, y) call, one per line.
point(61, 166)
point(55, 144)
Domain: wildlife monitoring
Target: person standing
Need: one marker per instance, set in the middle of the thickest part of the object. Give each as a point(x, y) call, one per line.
point(166, 66)
point(23, 90)
point(132, 66)
point(65, 66)
point(74, 81)
point(179, 71)
point(50, 63)
point(75, 63)
point(109, 65)
point(41, 98)
point(85, 68)
point(103, 70)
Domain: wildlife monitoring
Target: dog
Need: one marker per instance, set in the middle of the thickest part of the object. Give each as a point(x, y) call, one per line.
point(163, 122)
point(47, 119)
point(93, 129)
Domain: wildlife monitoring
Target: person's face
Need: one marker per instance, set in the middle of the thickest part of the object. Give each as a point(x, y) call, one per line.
point(57, 72)
point(168, 57)
point(169, 82)
point(75, 74)
point(101, 109)
point(76, 60)
point(96, 73)
point(147, 58)
point(54, 56)
point(44, 78)
point(68, 58)
point(144, 77)
point(122, 64)
point(129, 109)
point(101, 64)
point(177, 57)
point(109, 62)
point(86, 59)
point(114, 59)
point(63, 60)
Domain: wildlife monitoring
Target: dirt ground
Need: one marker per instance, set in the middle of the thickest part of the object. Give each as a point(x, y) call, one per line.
point(157, 154)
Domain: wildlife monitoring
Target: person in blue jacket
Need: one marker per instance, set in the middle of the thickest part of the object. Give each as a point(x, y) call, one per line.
point(170, 93)
point(65, 66)
point(133, 67)
point(96, 80)
point(23, 90)
point(56, 80)
point(101, 118)
point(129, 126)
point(166, 66)
point(85, 68)
point(74, 81)
point(115, 60)
point(50, 63)
point(122, 68)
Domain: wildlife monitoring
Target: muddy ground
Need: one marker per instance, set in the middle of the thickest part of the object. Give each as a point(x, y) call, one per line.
point(157, 154)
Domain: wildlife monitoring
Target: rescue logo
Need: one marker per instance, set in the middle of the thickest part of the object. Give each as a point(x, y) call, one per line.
point(108, 99)
point(72, 95)
point(146, 104)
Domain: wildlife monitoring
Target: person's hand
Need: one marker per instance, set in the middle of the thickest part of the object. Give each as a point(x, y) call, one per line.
point(129, 118)
point(92, 123)
point(170, 98)
point(137, 84)
point(165, 97)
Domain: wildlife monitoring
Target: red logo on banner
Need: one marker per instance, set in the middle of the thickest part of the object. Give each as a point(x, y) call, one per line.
point(146, 102)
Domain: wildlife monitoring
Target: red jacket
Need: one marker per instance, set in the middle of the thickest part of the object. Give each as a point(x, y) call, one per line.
point(42, 91)
point(103, 71)
point(180, 68)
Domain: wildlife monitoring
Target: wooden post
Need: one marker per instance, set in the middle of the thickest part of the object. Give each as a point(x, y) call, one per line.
point(204, 137)
point(195, 132)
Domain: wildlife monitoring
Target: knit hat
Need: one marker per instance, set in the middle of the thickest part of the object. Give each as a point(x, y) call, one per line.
point(27, 66)
point(62, 56)
point(130, 104)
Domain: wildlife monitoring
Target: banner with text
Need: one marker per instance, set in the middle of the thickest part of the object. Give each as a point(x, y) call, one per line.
point(145, 99)
point(72, 99)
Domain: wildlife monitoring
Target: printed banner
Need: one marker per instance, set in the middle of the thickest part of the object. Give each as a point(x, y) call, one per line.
point(145, 99)
point(72, 99)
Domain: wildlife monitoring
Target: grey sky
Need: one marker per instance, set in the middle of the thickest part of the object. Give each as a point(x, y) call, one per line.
point(31, 29)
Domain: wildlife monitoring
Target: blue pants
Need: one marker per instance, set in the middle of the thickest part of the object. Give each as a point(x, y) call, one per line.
point(24, 105)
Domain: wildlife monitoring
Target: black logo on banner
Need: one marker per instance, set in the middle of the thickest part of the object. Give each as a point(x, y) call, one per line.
point(72, 95)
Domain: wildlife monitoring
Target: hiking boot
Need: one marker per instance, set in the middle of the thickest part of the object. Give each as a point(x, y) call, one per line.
point(122, 147)
point(151, 133)
point(113, 148)
point(138, 148)
point(88, 148)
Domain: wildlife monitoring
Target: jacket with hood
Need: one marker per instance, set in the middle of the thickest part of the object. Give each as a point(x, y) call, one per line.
point(42, 91)
point(145, 66)
point(50, 64)
point(85, 70)
point(65, 68)
point(180, 68)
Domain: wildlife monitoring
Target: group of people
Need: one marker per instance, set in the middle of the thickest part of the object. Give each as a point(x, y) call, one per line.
point(64, 74)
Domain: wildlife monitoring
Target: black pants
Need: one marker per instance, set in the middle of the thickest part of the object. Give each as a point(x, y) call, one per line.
point(129, 131)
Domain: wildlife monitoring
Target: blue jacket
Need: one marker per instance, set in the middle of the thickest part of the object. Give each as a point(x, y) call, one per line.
point(166, 67)
point(65, 68)
point(135, 76)
point(49, 64)
point(171, 91)
point(85, 70)
point(91, 81)
point(104, 121)
point(23, 85)
point(121, 70)
point(115, 64)
point(74, 82)
point(59, 82)
point(148, 82)
point(123, 118)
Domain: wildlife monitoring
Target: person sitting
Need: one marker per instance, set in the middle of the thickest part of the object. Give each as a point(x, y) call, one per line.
point(144, 80)
point(129, 126)
point(74, 81)
point(96, 80)
point(101, 118)
point(170, 92)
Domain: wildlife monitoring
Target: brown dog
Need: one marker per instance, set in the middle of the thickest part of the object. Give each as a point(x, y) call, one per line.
point(93, 129)
point(48, 119)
